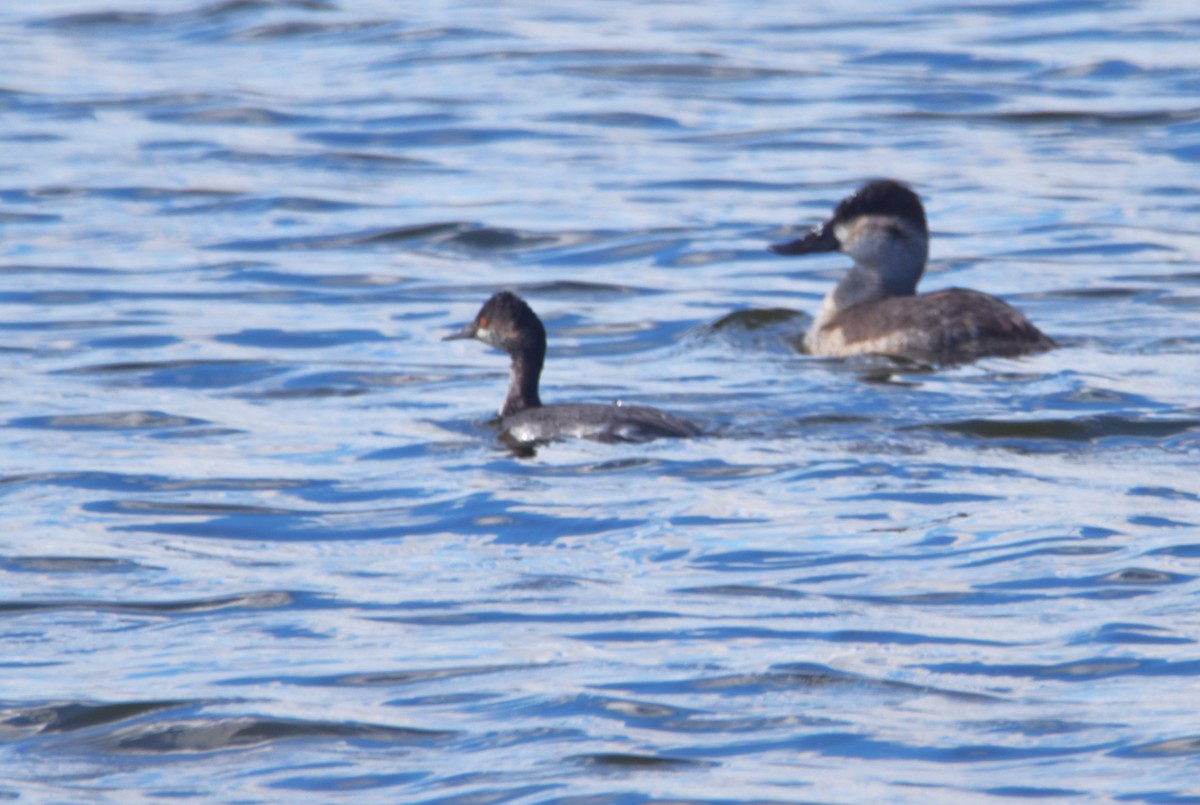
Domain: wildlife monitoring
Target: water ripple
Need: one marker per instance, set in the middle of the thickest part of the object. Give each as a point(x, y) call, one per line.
point(253, 601)
point(116, 420)
point(225, 734)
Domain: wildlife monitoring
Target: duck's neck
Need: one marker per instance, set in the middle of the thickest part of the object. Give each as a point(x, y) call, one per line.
point(864, 284)
point(860, 285)
point(868, 282)
point(523, 378)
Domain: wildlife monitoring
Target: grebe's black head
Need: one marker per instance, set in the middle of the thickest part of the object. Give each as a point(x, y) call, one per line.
point(506, 322)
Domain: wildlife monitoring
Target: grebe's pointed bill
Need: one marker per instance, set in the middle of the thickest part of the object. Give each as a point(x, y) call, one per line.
point(820, 239)
point(469, 330)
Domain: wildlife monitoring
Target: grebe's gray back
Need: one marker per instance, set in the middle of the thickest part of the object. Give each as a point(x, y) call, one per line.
point(506, 322)
point(875, 308)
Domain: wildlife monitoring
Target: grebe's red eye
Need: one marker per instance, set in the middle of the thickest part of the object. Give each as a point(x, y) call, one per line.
point(483, 322)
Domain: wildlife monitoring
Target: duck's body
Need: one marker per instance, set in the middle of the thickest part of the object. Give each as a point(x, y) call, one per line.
point(956, 325)
point(506, 322)
point(875, 309)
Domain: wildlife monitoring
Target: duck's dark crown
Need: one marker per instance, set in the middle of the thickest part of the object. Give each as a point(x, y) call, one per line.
point(883, 197)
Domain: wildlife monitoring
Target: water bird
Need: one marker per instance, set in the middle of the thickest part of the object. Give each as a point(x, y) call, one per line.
point(875, 308)
point(505, 321)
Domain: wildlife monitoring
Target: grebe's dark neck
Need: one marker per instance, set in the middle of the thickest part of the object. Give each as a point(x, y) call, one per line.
point(523, 376)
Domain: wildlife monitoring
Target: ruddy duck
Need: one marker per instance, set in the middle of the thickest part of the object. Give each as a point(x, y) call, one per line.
point(875, 308)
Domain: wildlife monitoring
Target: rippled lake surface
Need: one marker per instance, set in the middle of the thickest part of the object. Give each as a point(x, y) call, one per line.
point(261, 543)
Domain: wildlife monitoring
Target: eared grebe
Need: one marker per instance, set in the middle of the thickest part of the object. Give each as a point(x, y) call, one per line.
point(875, 309)
point(505, 321)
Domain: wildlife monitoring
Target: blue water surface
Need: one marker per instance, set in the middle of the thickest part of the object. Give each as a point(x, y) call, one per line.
point(261, 543)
